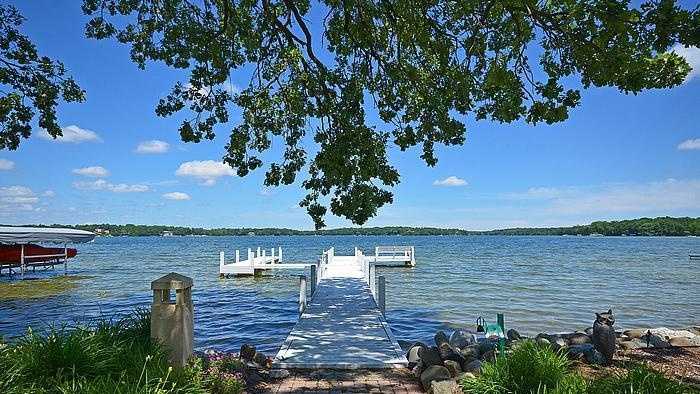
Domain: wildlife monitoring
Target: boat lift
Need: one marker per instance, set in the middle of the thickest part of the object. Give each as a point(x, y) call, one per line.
point(23, 236)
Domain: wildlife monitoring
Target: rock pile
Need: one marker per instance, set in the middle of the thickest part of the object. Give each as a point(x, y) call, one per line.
point(451, 359)
point(579, 345)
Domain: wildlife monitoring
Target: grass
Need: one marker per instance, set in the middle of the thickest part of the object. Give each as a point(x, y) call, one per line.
point(114, 357)
point(535, 369)
point(38, 288)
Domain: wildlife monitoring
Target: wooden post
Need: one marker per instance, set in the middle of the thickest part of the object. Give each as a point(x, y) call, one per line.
point(314, 279)
point(302, 293)
point(258, 251)
point(279, 254)
point(221, 259)
point(372, 279)
point(238, 256)
point(251, 257)
point(381, 290)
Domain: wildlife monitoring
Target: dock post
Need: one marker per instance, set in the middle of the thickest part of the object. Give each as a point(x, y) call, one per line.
point(314, 279)
point(251, 257)
point(279, 254)
point(381, 291)
point(238, 256)
point(302, 293)
point(258, 254)
point(372, 279)
point(221, 259)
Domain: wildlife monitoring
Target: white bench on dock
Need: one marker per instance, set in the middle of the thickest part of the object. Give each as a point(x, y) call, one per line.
point(394, 255)
point(255, 262)
point(342, 326)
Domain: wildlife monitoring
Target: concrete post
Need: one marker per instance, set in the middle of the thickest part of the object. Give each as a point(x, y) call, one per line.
point(381, 290)
point(302, 293)
point(172, 323)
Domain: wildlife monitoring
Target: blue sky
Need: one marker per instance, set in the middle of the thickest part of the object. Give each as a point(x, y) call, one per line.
point(616, 157)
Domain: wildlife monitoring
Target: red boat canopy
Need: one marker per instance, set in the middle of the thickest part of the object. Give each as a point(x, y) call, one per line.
point(24, 235)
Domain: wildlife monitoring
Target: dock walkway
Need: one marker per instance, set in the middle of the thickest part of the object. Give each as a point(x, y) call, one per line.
point(342, 327)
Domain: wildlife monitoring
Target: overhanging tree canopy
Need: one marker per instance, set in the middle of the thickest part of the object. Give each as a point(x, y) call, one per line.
point(29, 82)
point(422, 64)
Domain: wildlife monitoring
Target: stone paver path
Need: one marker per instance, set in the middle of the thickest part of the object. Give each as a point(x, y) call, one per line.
point(356, 381)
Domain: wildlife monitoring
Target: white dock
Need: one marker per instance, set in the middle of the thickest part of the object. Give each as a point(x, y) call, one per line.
point(257, 262)
point(343, 325)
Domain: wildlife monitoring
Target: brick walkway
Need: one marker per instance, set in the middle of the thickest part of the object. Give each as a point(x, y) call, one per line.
point(346, 381)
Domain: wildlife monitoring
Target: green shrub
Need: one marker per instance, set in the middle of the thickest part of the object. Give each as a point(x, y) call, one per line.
point(536, 369)
point(106, 357)
point(640, 379)
point(530, 368)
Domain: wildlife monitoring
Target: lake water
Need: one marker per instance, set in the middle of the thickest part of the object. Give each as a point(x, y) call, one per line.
point(541, 284)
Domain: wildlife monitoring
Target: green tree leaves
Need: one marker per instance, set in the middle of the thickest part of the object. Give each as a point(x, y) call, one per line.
point(29, 83)
point(423, 64)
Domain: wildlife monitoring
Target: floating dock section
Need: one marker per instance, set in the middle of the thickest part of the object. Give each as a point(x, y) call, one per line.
point(256, 263)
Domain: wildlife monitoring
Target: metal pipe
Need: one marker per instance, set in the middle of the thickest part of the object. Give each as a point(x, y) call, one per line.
point(381, 299)
point(302, 293)
point(21, 260)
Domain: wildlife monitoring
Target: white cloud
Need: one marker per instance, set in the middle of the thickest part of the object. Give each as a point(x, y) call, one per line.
point(72, 134)
point(450, 181)
point(206, 171)
point(93, 171)
point(178, 196)
point(152, 147)
point(660, 198)
point(692, 56)
point(227, 86)
point(6, 165)
point(17, 198)
point(101, 184)
point(49, 193)
point(692, 144)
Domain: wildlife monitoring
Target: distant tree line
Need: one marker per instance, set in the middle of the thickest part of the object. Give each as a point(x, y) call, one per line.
point(668, 226)
point(642, 227)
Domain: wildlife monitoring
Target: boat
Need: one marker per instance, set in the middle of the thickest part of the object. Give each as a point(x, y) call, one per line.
point(19, 249)
point(33, 253)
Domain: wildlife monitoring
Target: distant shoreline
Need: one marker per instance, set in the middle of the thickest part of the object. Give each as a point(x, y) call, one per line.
point(660, 226)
